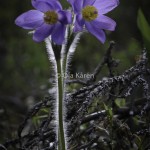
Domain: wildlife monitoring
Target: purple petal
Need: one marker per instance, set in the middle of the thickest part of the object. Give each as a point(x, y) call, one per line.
point(30, 19)
point(105, 6)
point(79, 22)
point(41, 6)
point(104, 22)
point(58, 34)
point(56, 4)
point(99, 34)
point(65, 17)
point(76, 5)
point(46, 5)
point(88, 2)
point(42, 32)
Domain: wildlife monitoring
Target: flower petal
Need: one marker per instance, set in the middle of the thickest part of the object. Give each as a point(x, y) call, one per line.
point(104, 22)
point(79, 22)
point(65, 17)
point(46, 5)
point(76, 5)
point(58, 34)
point(88, 2)
point(30, 19)
point(98, 33)
point(42, 32)
point(56, 4)
point(105, 6)
point(41, 6)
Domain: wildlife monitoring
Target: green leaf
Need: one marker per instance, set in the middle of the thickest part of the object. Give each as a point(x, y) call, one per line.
point(44, 110)
point(109, 111)
point(120, 102)
point(144, 28)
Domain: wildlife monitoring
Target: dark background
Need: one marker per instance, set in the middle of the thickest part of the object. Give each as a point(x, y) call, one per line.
point(24, 66)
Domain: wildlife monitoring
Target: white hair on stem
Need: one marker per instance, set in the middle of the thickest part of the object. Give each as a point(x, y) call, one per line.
point(52, 59)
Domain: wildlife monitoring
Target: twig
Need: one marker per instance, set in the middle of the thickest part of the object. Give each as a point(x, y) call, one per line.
point(76, 81)
point(93, 116)
point(106, 60)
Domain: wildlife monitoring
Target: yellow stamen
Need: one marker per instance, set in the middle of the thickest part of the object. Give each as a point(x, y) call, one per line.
point(50, 17)
point(89, 13)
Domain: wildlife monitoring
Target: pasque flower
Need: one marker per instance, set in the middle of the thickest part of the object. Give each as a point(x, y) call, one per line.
point(48, 19)
point(90, 14)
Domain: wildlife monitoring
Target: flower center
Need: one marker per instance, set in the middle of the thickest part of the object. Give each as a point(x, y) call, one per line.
point(89, 13)
point(50, 17)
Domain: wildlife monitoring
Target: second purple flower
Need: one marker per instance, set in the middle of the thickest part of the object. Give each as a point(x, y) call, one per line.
point(90, 13)
point(48, 19)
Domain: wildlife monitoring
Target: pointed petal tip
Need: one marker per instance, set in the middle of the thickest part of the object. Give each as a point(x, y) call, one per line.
point(19, 21)
point(98, 33)
point(105, 6)
point(37, 40)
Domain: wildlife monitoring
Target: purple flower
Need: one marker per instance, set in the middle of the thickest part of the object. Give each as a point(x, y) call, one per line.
point(48, 19)
point(90, 14)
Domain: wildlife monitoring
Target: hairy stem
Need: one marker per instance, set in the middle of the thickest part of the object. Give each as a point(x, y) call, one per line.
point(61, 67)
point(61, 132)
point(59, 85)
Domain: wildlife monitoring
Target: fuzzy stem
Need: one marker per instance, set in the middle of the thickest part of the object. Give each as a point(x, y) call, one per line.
point(59, 107)
point(61, 67)
point(61, 133)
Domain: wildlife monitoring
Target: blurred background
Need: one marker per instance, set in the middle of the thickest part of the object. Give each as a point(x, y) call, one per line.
point(24, 66)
